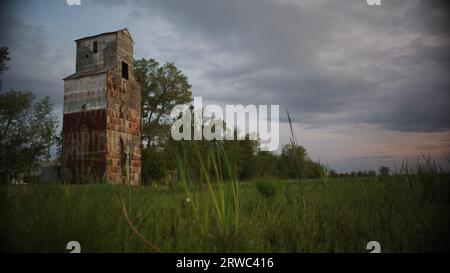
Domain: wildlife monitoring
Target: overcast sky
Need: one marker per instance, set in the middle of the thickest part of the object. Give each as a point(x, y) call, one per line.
point(365, 85)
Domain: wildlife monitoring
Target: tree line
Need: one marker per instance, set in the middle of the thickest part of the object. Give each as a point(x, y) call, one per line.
point(165, 86)
point(28, 133)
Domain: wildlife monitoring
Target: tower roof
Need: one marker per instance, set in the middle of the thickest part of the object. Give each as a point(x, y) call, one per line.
point(124, 30)
point(88, 73)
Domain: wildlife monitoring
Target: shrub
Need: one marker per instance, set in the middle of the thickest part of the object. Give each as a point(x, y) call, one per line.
point(383, 173)
point(267, 187)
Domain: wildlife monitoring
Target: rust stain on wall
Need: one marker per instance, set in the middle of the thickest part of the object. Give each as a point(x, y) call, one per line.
point(102, 115)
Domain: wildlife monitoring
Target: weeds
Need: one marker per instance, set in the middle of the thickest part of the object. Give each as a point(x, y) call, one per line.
point(407, 213)
point(297, 164)
point(267, 187)
point(323, 171)
point(134, 229)
point(341, 217)
point(221, 204)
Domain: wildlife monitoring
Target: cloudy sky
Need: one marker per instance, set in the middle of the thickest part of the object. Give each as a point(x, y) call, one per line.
point(365, 85)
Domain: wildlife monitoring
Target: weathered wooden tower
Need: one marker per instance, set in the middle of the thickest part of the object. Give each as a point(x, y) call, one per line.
point(102, 112)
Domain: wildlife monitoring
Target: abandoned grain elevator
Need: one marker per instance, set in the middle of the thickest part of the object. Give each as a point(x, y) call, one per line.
point(102, 112)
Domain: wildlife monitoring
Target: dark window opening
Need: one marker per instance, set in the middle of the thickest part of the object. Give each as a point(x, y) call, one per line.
point(95, 46)
point(87, 56)
point(123, 158)
point(124, 70)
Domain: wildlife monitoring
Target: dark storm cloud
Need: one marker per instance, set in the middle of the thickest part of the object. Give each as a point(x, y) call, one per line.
point(38, 60)
point(432, 16)
point(35, 65)
point(328, 62)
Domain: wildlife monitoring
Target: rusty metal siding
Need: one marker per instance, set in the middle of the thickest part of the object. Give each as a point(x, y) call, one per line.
point(123, 125)
point(102, 113)
point(85, 94)
point(85, 144)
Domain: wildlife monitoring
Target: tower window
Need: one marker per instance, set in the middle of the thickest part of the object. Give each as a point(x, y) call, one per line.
point(95, 47)
point(123, 158)
point(124, 70)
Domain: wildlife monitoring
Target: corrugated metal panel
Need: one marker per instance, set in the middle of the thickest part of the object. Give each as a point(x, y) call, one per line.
point(85, 94)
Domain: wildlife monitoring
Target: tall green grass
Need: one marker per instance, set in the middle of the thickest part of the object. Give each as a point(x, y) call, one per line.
point(298, 164)
point(406, 212)
point(341, 217)
point(323, 171)
point(267, 187)
point(216, 214)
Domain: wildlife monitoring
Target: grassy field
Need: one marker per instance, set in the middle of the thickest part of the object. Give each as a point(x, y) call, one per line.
point(405, 214)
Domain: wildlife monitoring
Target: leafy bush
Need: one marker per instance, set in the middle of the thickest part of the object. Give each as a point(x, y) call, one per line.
point(267, 187)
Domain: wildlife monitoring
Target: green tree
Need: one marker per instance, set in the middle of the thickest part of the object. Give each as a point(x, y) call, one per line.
point(383, 172)
point(267, 164)
point(243, 154)
point(154, 163)
point(162, 88)
point(27, 131)
point(293, 155)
